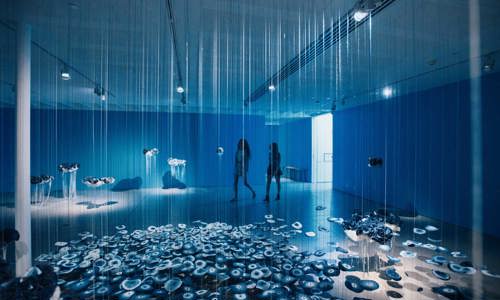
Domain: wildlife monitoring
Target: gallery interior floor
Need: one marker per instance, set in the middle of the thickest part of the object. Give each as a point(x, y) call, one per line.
point(99, 212)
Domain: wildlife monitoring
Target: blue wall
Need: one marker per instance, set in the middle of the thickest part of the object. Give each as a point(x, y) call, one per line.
point(424, 139)
point(295, 144)
point(111, 144)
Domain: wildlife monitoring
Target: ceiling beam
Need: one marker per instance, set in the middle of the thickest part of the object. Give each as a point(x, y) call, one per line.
point(325, 40)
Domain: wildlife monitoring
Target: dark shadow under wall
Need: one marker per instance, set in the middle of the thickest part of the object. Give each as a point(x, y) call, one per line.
point(170, 182)
point(128, 184)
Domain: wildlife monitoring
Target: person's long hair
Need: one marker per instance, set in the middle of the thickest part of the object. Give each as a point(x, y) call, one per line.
point(243, 145)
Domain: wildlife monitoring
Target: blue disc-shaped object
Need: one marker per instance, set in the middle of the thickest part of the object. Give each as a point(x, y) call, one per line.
point(448, 291)
point(160, 279)
point(160, 293)
point(325, 285)
point(457, 268)
point(439, 259)
point(256, 274)
point(240, 296)
point(77, 285)
point(173, 284)
point(144, 288)
point(288, 279)
point(392, 274)
point(369, 285)
point(393, 259)
point(127, 295)
point(308, 284)
point(331, 272)
point(345, 266)
point(353, 284)
point(408, 254)
point(238, 289)
point(236, 273)
point(141, 297)
point(441, 275)
point(103, 291)
point(263, 285)
point(200, 272)
point(130, 284)
point(296, 272)
point(394, 295)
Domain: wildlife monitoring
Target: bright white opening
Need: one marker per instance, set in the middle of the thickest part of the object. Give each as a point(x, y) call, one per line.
point(322, 148)
point(272, 88)
point(180, 89)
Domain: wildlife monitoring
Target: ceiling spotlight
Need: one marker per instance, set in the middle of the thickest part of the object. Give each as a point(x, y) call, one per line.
point(363, 9)
point(359, 15)
point(180, 89)
point(387, 92)
point(100, 92)
point(65, 73)
point(488, 64)
point(271, 87)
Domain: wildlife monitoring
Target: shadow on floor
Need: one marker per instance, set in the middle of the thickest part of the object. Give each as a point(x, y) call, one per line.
point(92, 205)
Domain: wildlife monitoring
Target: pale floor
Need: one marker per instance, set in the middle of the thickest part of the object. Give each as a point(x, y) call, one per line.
point(60, 220)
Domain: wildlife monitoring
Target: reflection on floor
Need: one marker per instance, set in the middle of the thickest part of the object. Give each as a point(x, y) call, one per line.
point(139, 209)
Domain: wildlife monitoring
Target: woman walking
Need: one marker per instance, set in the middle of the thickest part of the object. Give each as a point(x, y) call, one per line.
point(241, 167)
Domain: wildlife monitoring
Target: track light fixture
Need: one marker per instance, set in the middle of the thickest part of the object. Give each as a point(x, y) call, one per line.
point(65, 73)
point(272, 88)
point(100, 92)
point(488, 63)
point(180, 89)
point(363, 9)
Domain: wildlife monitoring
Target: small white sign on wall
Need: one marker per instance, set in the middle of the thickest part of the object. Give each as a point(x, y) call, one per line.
point(327, 157)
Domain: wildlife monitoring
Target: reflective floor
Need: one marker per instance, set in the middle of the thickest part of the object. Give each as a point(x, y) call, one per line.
point(99, 212)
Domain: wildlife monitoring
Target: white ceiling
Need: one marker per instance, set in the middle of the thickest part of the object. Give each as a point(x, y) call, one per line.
point(228, 48)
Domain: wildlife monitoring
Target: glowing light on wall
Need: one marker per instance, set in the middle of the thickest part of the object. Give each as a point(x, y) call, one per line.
point(387, 92)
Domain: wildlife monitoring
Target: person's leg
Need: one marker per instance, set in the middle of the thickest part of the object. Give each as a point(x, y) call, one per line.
point(278, 185)
point(235, 186)
point(248, 186)
point(268, 186)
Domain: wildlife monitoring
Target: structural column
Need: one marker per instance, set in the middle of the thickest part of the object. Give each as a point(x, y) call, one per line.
point(23, 121)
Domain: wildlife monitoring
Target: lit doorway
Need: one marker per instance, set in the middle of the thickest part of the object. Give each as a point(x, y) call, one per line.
point(322, 148)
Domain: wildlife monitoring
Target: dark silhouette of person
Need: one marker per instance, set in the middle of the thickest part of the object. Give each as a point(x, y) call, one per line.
point(273, 170)
point(241, 161)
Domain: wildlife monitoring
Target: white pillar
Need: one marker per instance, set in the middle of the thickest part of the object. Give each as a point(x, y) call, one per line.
point(23, 186)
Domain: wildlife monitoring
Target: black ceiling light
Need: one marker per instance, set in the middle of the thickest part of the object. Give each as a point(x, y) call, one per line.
point(100, 92)
point(65, 75)
point(363, 9)
point(171, 21)
point(180, 89)
point(488, 63)
point(65, 70)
